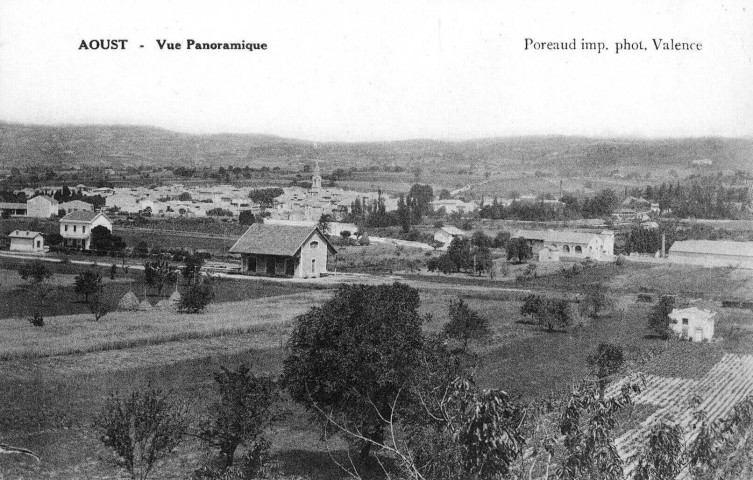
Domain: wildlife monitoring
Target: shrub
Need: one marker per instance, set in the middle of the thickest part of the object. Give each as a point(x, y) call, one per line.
point(142, 429)
point(37, 320)
point(241, 414)
point(465, 324)
point(35, 271)
point(196, 298)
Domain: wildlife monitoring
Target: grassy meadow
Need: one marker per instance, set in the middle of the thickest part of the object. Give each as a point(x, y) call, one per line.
point(56, 378)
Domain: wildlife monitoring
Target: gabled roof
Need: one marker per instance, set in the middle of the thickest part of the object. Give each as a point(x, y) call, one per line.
point(555, 236)
point(82, 216)
point(283, 240)
point(713, 247)
point(694, 312)
point(76, 203)
point(44, 197)
point(14, 206)
point(23, 234)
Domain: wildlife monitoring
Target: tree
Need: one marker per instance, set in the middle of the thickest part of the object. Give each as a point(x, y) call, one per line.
point(501, 239)
point(606, 362)
point(196, 298)
point(98, 307)
point(246, 217)
point(444, 194)
point(532, 304)
point(465, 324)
point(242, 412)
point(87, 283)
point(554, 313)
point(594, 300)
point(658, 318)
point(419, 200)
point(159, 273)
point(192, 267)
point(103, 240)
point(351, 357)
point(518, 250)
point(324, 220)
point(184, 197)
point(35, 272)
point(480, 239)
point(483, 260)
point(460, 253)
point(53, 239)
point(661, 458)
point(142, 429)
point(345, 234)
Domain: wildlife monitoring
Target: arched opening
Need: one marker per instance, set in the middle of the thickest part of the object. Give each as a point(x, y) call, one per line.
point(566, 248)
point(578, 249)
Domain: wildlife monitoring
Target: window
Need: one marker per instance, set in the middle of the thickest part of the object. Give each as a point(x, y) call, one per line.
point(684, 321)
point(83, 229)
point(313, 265)
point(314, 244)
point(66, 228)
point(74, 229)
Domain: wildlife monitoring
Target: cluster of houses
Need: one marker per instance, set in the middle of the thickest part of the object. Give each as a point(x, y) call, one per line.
point(75, 228)
point(43, 206)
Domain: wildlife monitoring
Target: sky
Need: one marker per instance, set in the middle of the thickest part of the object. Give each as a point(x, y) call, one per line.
point(356, 70)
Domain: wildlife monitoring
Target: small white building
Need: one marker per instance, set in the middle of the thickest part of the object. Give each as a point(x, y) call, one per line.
point(76, 228)
point(549, 254)
point(41, 206)
point(693, 323)
point(26, 241)
point(447, 234)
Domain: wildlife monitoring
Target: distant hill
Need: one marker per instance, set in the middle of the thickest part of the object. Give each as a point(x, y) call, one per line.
point(118, 145)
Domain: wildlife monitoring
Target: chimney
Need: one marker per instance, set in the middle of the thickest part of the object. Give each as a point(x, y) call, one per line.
point(663, 245)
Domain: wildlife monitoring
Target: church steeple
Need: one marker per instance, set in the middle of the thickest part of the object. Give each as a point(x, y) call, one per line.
point(316, 179)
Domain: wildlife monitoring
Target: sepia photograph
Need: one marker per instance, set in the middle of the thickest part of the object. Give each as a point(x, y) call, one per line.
point(360, 240)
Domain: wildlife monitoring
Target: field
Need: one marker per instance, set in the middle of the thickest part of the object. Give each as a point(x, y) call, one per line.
point(56, 378)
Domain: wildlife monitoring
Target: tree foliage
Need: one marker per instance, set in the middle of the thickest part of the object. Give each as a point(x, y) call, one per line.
point(465, 323)
point(142, 428)
point(242, 412)
point(658, 318)
point(35, 271)
point(350, 357)
point(518, 250)
point(196, 298)
point(158, 273)
point(102, 240)
point(87, 283)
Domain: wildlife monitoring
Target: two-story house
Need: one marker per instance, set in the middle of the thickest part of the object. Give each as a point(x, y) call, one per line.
point(76, 228)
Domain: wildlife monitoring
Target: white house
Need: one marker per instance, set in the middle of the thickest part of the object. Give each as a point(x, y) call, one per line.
point(596, 246)
point(447, 234)
point(549, 254)
point(76, 228)
point(693, 323)
point(26, 241)
point(283, 250)
point(41, 206)
point(76, 206)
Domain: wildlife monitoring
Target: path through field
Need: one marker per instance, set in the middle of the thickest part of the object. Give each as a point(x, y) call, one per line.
point(726, 384)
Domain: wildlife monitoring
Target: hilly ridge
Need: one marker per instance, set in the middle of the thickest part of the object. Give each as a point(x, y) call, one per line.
point(124, 145)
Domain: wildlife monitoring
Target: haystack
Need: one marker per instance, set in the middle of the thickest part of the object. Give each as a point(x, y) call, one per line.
point(163, 304)
point(129, 301)
point(175, 299)
point(145, 305)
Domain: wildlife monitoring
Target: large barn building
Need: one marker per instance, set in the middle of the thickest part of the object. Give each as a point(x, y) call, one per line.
point(284, 250)
point(712, 253)
point(596, 246)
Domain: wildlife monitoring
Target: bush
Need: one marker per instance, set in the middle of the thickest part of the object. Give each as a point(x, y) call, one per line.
point(241, 414)
point(35, 271)
point(142, 429)
point(465, 324)
point(196, 298)
point(37, 320)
